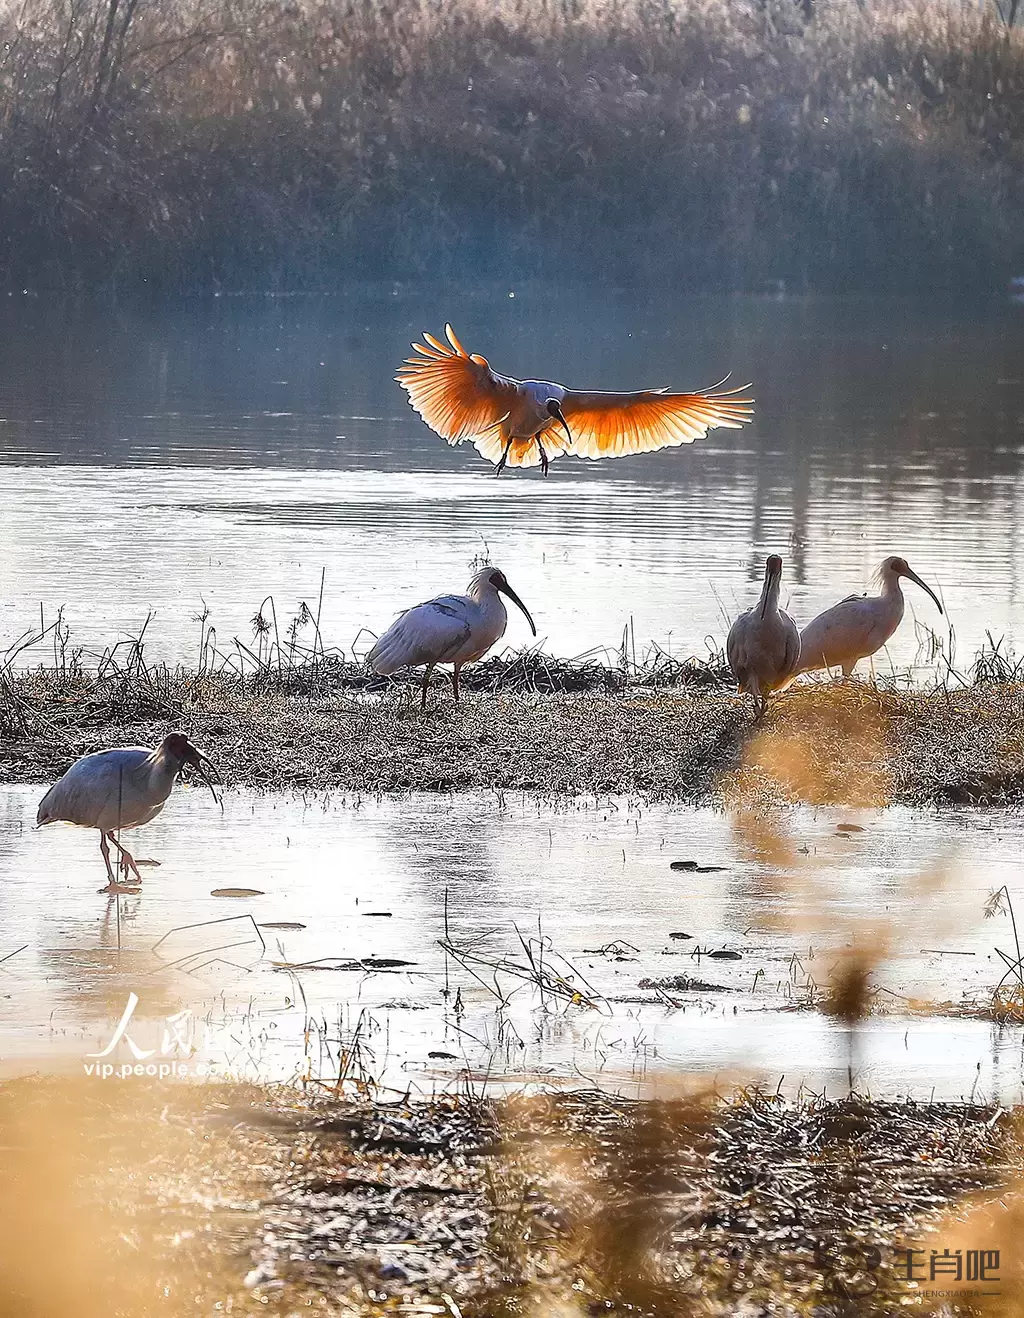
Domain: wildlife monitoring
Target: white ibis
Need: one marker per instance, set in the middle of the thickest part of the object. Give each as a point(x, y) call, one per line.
point(122, 788)
point(452, 629)
point(764, 643)
point(525, 422)
point(860, 624)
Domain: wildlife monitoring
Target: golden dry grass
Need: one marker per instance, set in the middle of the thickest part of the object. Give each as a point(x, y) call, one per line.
point(850, 744)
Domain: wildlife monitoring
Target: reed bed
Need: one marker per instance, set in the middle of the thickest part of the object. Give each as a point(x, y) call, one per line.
point(257, 144)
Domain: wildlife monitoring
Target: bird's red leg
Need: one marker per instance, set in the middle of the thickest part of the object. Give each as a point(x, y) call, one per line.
point(426, 681)
point(544, 464)
point(126, 856)
point(455, 682)
point(504, 457)
point(105, 853)
point(114, 885)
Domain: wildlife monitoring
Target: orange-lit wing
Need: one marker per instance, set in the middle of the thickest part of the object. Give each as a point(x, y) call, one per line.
point(457, 395)
point(612, 425)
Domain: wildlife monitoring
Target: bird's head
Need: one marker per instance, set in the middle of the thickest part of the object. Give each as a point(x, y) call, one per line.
point(772, 573)
point(554, 408)
point(179, 751)
point(895, 566)
point(497, 579)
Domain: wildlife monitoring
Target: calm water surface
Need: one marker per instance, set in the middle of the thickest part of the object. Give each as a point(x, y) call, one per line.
point(212, 455)
point(588, 885)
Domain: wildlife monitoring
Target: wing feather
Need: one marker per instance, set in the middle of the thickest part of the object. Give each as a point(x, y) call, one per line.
point(457, 395)
point(427, 634)
point(615, 424)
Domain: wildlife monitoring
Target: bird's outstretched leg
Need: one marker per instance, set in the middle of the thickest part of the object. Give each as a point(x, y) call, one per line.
point(544, 463)
point(126, 857)
point(426, 682)
point(455, 681)
point(114, 885)
point(504, 457)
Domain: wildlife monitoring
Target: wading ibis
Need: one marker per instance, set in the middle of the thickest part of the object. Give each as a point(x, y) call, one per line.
point(122, 788)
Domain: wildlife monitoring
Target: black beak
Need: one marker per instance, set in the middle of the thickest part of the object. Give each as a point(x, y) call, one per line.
point(912, 575)
point(205, 767)
point(555, 408)
point(507, 590)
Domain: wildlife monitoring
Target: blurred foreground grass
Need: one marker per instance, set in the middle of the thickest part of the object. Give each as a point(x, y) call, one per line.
point(134, 1199)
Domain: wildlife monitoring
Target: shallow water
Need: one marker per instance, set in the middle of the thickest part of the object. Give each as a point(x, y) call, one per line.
point(569, 879)
point(211, 455)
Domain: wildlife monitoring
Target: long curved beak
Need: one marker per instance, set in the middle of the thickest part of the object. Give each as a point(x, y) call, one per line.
point(206, 769)
point(507, 590)
point(917, 581)
point(556, 411)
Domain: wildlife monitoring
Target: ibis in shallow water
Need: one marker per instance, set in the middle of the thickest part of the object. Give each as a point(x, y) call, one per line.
point(521, 423)
point(114, 789)
point(764, 643)
point(860, 624)
point(452, 629)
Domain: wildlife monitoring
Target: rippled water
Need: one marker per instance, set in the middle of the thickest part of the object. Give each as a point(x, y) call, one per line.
point(590, 888)
point(162, 461)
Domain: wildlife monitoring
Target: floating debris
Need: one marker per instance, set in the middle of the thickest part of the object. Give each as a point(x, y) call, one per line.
point(281, 924)
point(683, 984)
point(237, 892)
point(345, 963)
point(384, 914)
point(680, 935)
point(618, 950)
point(723, 954)
point(849, 828)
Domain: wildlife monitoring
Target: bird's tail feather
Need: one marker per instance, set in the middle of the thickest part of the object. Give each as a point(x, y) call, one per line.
point(385, 658)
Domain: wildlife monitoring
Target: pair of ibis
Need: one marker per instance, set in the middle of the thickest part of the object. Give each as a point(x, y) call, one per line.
point(766, 650)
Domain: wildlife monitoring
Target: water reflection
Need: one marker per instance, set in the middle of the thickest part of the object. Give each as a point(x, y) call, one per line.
point(389, 880)
point(226, 449)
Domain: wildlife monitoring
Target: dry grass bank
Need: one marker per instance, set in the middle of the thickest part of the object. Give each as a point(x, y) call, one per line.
point(850, 743)
point(257, 143)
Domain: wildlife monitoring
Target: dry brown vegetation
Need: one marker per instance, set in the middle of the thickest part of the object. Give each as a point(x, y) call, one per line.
point(256, 143)
point(852, 743)
point(137, 1199)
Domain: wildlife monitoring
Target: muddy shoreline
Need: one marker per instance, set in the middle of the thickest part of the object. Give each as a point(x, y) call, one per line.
point(851, 744)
